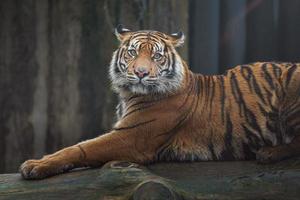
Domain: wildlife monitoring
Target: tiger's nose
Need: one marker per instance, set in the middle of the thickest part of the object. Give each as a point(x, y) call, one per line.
point(141, 72)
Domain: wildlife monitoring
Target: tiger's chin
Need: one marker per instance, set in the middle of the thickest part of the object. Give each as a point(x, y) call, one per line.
point(142, 89)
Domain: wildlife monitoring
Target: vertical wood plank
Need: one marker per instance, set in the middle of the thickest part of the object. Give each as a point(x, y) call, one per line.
point(97, 44)
point(39, 114)
point(204, 36)
point(18, 70)
point(65, 119)
point(261, 31)
point(4, 79)
point(289, 31)
point(232, 33)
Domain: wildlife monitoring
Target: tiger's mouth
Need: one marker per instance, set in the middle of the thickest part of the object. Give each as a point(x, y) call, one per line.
point(142, 81)
point(141, 86)
point(160, 84)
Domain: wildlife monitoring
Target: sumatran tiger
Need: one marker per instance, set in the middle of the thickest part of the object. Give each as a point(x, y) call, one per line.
point(168, 113)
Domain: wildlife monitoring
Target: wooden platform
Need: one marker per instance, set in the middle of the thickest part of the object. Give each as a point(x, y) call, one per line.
point(202, 180)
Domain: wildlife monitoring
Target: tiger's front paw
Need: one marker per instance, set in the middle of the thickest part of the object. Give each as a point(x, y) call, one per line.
point(39, 169)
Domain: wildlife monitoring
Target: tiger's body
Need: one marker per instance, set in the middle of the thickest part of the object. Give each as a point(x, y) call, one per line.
point(168, 113)
point(223, 117)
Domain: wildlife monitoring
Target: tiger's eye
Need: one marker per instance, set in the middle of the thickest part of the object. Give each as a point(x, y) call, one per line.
point(132, 52)
point(157, 56)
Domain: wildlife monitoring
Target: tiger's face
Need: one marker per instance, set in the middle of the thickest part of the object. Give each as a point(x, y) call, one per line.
point(146, 62)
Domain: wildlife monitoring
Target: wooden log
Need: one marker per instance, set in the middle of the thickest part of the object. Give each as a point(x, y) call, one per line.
point(123, 180)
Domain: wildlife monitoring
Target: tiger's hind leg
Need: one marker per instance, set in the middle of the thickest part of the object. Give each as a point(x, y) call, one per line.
point(290, 102)
point(267, 155)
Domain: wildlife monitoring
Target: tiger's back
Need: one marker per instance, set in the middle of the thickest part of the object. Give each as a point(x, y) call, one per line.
point(249, 107)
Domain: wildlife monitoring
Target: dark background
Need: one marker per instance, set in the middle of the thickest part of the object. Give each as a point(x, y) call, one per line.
point(54, 58)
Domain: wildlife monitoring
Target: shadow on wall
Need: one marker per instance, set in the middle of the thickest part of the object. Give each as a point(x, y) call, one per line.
point(54, 57)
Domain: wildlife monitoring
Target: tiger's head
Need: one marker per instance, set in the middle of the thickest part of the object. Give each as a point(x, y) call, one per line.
point(146, 62)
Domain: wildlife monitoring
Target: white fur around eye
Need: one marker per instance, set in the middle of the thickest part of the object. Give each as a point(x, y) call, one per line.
point(157, 56)
point(132, 52)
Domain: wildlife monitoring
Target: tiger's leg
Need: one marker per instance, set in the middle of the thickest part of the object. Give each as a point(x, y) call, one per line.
point(95, 152)
point(291, 105)
point(277, 153)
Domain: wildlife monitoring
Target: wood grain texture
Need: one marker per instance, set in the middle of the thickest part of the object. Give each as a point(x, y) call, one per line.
point(123, 180)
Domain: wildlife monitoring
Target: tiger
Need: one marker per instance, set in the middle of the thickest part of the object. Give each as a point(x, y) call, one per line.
point(167, 113)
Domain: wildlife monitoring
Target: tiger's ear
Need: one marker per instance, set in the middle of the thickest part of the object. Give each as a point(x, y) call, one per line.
point(121, 32)
point(177, 39)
